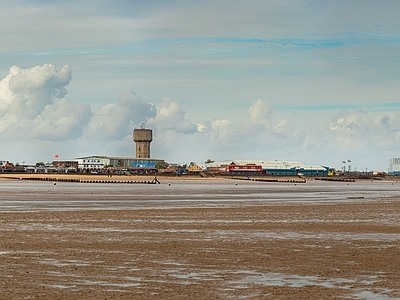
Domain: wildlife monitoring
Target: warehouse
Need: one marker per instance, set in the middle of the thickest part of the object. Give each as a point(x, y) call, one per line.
point(394, 166)
point(275, 167)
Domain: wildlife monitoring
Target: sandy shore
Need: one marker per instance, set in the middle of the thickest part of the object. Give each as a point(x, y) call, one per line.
point(100, 177)
point(199, 240)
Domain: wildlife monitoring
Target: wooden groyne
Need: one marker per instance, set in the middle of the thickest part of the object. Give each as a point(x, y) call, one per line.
point(335, 179)
point(154, 181)
point(282, 180)
point(278, 180)
point(122, 181)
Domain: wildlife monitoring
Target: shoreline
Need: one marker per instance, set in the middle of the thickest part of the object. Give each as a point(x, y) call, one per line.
point(97, 177)
point(81, 177)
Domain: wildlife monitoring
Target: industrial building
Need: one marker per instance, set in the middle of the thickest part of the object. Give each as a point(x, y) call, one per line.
point(95, 163)
point(258, 167)
point(394, 166)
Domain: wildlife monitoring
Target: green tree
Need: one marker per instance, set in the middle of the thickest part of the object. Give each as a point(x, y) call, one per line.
point(161, 165)
point(121, 163)
point(40, 164)
point(209, 161)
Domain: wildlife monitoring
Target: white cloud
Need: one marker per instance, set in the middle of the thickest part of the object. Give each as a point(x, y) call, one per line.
point(32, 105)
point(61, 121)
point(220, 129)
point(116, 121)
point(361, 129)
point(171, 116)
point(34, 111)
point(259, 111)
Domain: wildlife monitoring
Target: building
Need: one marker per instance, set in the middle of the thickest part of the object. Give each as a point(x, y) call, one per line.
point(3, 164)
point(141, 164)
point(65, 163)
point(95, 163)
point(245, 170)
point(394, 166)
point(258, 167)
point(194, 168)
point(89, 164)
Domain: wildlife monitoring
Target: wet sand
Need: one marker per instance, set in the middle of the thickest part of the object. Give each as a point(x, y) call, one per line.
point(199, 240)
point(98, 177)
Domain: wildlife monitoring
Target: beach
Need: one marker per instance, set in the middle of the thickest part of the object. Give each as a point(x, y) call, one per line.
point(199, 239)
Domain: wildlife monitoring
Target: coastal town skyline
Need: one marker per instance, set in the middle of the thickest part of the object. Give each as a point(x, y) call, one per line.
point(280, 80)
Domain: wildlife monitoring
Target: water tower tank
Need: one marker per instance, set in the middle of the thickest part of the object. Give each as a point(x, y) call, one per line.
point(142, 137)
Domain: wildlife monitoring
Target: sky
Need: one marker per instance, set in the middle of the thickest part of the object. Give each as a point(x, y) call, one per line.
point(310, 81)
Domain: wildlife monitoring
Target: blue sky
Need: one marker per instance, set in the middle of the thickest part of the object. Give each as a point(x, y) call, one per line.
point(316, 82)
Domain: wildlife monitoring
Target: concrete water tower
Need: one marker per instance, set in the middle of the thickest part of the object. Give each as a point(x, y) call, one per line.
point(142, 137)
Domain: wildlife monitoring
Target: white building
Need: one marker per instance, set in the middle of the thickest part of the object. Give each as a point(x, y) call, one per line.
point(92, 163)
point(394, 166)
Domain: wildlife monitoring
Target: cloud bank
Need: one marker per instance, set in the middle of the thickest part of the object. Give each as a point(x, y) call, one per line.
point(37, 118)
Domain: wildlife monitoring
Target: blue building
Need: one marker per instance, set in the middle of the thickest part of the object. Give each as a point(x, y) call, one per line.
point(98, 162)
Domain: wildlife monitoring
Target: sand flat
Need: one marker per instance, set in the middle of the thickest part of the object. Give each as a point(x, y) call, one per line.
point(199, 240)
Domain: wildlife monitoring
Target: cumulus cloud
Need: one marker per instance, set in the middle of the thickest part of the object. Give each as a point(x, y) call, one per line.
point(363, 129)
point(34, 109)
point(33, 105)
point(220, 129)
point(171, 116)
point(260, 111)
point(116, 121)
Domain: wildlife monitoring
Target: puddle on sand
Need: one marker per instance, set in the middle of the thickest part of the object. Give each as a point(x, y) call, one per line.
point(59, 286)
point(296, 281)
point(332, 236)
point(61, 274)
point(206, 275)
point(98, 283)
point(57, 263)
point(368, 295)
point(120, 284)
point(277, 279)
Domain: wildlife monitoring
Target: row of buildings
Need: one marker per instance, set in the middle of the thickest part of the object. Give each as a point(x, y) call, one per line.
point(133, 165)
point(142, 163)
point(261, 167)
